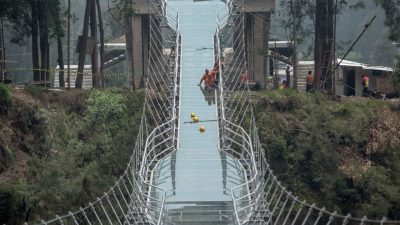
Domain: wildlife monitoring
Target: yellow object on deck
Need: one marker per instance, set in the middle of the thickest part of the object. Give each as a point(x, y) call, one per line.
point(202, 129)
point(196, 119)
point(193, 115)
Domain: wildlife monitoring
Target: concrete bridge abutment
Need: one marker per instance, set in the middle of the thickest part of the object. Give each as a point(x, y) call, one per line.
point(257, 15)
point(140, 25)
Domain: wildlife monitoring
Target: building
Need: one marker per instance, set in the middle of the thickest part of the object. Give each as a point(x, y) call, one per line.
point(348, 77)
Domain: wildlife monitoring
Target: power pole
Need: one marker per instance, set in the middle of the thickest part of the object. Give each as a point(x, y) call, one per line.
point(323, 53)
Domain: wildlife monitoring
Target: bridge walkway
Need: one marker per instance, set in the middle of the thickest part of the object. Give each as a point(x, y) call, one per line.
point(198, 177)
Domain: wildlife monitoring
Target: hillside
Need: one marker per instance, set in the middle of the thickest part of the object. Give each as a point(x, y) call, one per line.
point(341, 154)
point(60, 150)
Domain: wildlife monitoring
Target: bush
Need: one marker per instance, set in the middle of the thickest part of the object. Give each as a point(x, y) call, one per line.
point(319, 148)
point(5, 97)
point(12, 203)
point(88, 151)
point(105, 110)
point(9, 157)
point(35, 91)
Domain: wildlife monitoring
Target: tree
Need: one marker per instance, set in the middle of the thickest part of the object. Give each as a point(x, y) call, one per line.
point(93, 8)
point(125, 11)
point(59, 33)
point(35, 40)
point(293, 16)
point(392, 11)
point(83, 45)
point(43, 16)
point(93, 34)
point(101, 28)
point(37, 20)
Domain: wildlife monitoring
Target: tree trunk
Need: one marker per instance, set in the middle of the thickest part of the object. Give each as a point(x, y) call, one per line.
point(60, 62)
point(93, 34)
point(59, 35)
point(69, 44)
point(44, 39)
point(294, 46)
point(47, 66)
point(101, 28)
point(35, 40)
point(83, 45)
point(323, 54)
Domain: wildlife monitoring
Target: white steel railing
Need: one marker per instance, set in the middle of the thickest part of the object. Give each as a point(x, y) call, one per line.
point(262, 199)
point(132, 199)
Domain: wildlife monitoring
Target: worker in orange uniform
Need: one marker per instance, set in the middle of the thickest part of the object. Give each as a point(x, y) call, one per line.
point(204, 77)
point(309, 81)
point(244, 77)
point(208, 79)
point(365, 84)
point(215, 75)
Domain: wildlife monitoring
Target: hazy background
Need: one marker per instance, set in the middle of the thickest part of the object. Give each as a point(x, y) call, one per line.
point(374, 48)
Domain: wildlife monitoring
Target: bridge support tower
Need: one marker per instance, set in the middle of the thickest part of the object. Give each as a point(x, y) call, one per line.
point(137, 58)
point(257, 25)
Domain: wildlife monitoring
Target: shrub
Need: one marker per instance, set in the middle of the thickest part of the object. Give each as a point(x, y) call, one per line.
point(5, 97)
point(35, 91)
point(9, 157)
point(319, 148)
point(12, 203)
point(105, 110)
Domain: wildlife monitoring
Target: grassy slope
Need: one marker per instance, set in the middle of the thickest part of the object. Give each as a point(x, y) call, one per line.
point(60, 150)
point(340, 154)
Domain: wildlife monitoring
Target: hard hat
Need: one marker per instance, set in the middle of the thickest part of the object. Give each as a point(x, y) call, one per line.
point(196, 119)
point(193, 115)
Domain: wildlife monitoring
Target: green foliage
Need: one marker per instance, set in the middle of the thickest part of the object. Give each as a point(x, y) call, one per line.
point(5, 97)
point(87, 152)
point(78, 141)
point(396, 75)
point(392, 12)
point(12, 202)
point(35, 91)
point(9, 156)
point(318, 147)
point(105, 110)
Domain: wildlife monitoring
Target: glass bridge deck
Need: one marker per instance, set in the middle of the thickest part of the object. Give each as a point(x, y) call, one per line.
point(198, 171)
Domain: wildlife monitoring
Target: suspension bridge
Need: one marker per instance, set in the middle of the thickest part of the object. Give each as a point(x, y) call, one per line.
point(177, 175)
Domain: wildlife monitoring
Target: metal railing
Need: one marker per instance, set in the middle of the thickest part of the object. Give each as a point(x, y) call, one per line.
point(262, 199)
point(132, 199)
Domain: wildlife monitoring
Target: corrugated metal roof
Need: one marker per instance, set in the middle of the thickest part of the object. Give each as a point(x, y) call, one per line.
point(348, 63)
